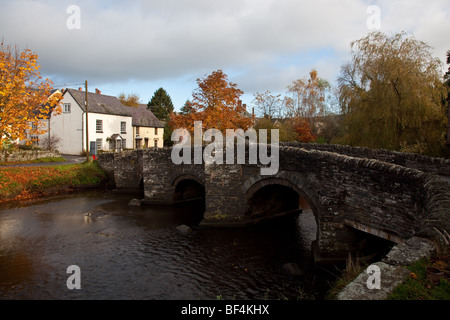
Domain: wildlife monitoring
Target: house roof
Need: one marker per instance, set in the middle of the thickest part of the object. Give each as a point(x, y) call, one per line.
point(99, 103)
point(116, 136)
point(143, 117)
point(38, 110)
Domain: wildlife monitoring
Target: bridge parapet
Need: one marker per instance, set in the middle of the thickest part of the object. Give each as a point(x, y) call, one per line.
point(436, 224)
point(439, 166)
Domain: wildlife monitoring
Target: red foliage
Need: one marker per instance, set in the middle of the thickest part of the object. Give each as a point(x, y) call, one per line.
point(303, 129)
point(216, 103)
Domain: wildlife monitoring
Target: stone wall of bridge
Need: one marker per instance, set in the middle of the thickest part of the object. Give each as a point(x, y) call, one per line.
point(124, 169)
point(388, 200)
point(440, 166)
point(224, 201)
point(347, 188)
point(161, 175)
point(356, 193)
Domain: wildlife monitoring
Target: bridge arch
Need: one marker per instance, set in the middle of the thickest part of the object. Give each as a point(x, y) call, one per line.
point(289, 180)
point(187, 187)
point(282, 194)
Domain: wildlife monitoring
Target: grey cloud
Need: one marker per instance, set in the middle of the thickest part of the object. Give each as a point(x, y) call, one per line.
point(151, 40)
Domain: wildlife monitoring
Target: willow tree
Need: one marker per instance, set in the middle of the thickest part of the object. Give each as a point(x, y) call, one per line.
point(391, 95)
point(447, 74)
point(447, 84)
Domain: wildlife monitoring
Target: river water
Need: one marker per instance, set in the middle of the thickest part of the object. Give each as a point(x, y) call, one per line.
point(126, 252)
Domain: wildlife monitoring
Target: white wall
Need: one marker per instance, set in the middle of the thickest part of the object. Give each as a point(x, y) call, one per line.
point(111, 125)
point(70, 128)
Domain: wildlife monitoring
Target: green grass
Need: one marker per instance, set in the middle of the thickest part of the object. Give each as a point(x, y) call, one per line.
point(420, 287)
point(40, 160)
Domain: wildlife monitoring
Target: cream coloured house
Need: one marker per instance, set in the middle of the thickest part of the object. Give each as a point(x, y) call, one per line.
point(148, 131)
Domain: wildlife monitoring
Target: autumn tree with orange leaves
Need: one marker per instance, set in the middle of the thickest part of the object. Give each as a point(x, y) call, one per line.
point(216, 103)
point(25, 97)
point(303, 130)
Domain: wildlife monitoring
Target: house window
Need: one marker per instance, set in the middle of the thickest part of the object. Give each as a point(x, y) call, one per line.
point(123, 127)
point(137, 131)
point(99, 144)
point(35, 140)
point(99, 126)
point(156, 131)
point(34, 126)
point(156, 143)
point(124, 143)
point(66, 107)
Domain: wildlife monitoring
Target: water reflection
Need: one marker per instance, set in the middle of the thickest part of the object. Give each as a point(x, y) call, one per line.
point(136, 253)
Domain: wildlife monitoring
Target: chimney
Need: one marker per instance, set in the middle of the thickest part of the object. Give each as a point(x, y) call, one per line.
point(97, 91)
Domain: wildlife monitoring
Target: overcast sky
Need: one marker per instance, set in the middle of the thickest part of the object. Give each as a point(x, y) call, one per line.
point(139, 46)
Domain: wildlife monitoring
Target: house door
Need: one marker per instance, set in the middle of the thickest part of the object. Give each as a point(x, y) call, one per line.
point(93, 148)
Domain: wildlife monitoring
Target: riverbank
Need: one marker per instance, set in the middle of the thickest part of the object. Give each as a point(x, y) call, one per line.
point(429, 279)
point(26, 183)
point(426, 279)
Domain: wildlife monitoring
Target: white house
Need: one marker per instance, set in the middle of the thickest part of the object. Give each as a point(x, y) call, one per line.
point(109, 123)
point(40, 125)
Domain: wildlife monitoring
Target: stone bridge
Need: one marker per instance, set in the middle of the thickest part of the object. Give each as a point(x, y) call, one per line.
point(391, 195)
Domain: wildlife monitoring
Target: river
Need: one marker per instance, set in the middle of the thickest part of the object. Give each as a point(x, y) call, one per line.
point(128, 252)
